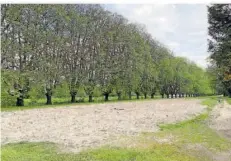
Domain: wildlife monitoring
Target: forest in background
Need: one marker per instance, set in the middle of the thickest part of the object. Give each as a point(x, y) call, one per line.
point(60, 51)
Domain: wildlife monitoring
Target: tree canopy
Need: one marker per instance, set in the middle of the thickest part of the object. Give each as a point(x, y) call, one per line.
point(86, 49)
point(219, 16)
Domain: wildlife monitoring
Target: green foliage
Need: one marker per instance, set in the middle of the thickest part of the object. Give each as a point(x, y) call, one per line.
point(178, 75)
point(219, 42)
point(97, 92)
point(68, 50)
point(62, 91)
point(81, 93)
point(8, 92)
point(36, 93)
point(7, 100)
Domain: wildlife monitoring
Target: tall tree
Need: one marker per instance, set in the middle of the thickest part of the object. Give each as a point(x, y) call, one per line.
point(220, 41)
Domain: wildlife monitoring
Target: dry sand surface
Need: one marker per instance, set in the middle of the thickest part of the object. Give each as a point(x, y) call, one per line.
point(79, 127)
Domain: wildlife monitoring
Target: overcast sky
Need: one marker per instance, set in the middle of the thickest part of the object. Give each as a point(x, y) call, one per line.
point(182, 27)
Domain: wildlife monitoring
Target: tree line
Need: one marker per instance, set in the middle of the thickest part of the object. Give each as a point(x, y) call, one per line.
point(48, 47)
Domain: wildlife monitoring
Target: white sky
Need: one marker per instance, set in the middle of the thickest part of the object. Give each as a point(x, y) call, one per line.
point(181, 27)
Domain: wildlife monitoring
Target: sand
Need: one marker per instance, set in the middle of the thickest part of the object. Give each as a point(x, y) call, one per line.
point(84, 126)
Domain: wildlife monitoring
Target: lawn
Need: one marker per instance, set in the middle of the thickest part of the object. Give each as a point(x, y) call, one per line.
point(60, 102)
point(49, 152)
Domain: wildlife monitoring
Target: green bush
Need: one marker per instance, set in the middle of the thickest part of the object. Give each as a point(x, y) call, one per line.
point(62, 91)
point(7, 100)
point(97, 92)
point(81, 94)
point(36, 93)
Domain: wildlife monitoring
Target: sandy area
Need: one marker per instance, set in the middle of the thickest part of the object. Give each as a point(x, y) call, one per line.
point(79, 127)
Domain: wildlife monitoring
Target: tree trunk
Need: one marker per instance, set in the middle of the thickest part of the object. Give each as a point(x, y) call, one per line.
point(171, 95)
point(106, 95)
point(48, 95)
point(73, 97)
point(90, 98)
point(145, 96)
point(162, 95)
point(229, 93)
point(137, 95)
point(186, 95)
point(49, 102)
point(167, 95)
point(179, 95)
point(152, 95)
point(130, 95)
point(20, 101)
point(119, 95)
point(182, 94)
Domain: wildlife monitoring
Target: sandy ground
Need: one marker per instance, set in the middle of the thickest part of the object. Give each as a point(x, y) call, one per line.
point(80, 127)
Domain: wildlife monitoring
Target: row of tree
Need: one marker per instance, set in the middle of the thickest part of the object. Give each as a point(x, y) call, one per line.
point(88, 47)
point(219, 16)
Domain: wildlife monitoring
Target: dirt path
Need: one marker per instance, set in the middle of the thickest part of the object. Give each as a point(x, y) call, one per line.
point(84, 126)
point(221, 119)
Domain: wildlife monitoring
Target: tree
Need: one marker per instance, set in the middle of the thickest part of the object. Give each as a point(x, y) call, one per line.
point(87, 50)
point(220, 41)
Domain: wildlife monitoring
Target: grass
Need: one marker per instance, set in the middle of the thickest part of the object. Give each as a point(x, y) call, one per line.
point(145, 147)
point(49, 152)
point(196, 130)
point(210, 102)
point(60, 102)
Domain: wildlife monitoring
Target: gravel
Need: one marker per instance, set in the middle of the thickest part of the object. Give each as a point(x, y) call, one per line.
point(84, 126)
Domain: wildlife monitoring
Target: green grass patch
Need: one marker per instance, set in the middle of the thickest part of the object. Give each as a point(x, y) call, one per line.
point(49, 152)
point(197, 119)
point(196, 130)
point(60, 102)
point(210, 102)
